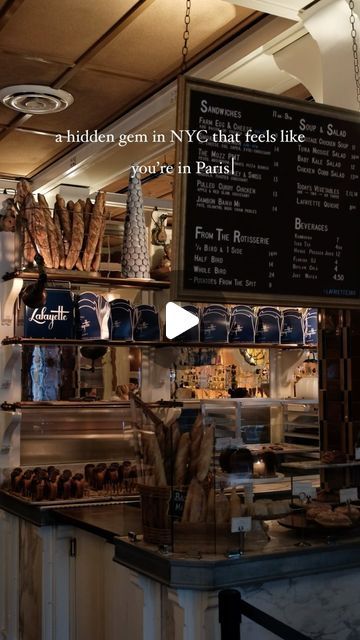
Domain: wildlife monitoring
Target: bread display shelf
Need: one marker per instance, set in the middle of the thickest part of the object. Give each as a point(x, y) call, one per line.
point(91, 500)
point(130, 343)
point(89, 277)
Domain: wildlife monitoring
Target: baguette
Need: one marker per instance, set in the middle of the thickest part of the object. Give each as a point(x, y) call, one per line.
point(26, 209)
point(205, 454)
point(97, 256)
point(54, 239)
point(181, 460)
point(60, 240)
point(152, 457)
point(87, 217)
point(41, 235)
point(77, 236)
point(196, 434)
point(25, 201)
point(94, 230)
point(195, 503)
point(87, 209)
point(64, 217)
point(172, 438)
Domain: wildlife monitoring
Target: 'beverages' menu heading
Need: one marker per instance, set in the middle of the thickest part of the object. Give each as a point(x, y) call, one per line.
point(269, 205)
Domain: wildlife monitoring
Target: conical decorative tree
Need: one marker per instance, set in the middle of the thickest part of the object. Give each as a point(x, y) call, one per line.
point(135, 261)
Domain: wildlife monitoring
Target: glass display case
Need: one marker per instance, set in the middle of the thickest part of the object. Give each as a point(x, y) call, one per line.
point(204, 490)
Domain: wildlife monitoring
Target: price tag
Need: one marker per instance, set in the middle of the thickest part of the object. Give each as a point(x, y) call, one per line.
point(349, 494)
point(241, 524)
point(357, 453)
point(300, 486)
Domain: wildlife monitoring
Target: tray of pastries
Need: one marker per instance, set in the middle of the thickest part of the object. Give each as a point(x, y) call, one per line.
point(318, 516)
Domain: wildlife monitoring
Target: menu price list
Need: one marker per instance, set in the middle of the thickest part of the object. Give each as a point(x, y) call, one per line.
point(271, 199)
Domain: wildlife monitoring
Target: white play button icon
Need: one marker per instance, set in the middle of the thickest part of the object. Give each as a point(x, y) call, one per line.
point(178, 320)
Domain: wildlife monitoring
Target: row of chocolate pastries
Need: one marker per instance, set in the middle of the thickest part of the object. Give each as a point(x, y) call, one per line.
point(52, 484)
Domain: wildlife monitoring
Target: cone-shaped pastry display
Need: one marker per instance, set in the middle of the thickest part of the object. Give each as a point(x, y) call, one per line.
point(135, 255)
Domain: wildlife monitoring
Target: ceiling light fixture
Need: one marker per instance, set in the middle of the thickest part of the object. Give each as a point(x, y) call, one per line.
point(35, 99)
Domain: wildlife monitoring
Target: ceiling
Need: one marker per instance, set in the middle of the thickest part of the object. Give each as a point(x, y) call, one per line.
point(112, 56)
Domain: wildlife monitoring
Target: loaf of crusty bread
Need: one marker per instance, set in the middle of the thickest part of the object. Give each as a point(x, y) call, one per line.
point(182, 459)
point(195, 442)
point(195, 503)
point(205, 453)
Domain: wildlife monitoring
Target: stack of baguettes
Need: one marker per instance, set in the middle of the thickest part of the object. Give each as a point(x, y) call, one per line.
point(70, 237)
point(184, 461)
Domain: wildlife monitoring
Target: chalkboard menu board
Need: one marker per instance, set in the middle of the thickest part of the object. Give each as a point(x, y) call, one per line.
point(267, 199)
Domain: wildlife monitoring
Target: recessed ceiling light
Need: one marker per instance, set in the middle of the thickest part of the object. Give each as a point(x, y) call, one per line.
point(35, 99)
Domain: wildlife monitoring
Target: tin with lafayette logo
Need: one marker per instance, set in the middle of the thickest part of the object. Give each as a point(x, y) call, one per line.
point(55, 319)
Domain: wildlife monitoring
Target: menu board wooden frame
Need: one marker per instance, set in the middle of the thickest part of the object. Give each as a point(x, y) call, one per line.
point(183, 209)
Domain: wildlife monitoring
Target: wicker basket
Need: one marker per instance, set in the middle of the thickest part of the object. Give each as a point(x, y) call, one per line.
point(156, 520)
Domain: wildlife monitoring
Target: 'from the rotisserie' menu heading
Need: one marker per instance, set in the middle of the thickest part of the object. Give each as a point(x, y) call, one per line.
point(267, 199)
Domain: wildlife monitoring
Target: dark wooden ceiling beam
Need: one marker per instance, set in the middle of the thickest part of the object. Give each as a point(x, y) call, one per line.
point(8, 10)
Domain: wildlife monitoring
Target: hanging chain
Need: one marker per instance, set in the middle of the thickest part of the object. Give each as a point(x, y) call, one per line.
point(355, 51)
point(186, 36)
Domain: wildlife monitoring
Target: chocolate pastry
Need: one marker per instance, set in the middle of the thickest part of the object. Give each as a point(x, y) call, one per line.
point(64, 485)
point(99, 473)
point(112, 477)
point(15, 479)
point(52, 486)
point(89, 468)
point(126, 475)
point(77, 485)
point(38, 485)
point(26, 482)
point(133, 478)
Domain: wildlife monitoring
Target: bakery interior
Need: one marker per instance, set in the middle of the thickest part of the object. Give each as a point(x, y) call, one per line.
point(125, 456)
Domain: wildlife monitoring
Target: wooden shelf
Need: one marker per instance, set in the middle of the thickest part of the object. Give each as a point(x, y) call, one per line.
point(303, 436)
point(128, 343)
point(36, 405)
point(87, 277)
point(75, 343)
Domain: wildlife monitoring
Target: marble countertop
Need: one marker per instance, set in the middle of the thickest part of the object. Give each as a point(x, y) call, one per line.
point(284, 556)
point(288, 552)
